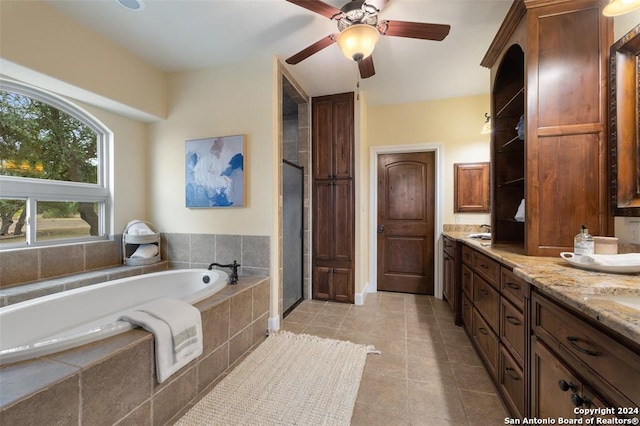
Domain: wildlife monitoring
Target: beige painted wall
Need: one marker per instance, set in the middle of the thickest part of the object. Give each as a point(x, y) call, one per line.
point(454, 122)
point(75, 61)
point(222, 101)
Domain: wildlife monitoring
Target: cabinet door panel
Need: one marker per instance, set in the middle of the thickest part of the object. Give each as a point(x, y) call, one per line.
point(341, 284)
point(322, 283)
point(487, 301)
point(343, 136)
point(322, 139)
point(342, 214)
point(548, 399)
point(323, 220)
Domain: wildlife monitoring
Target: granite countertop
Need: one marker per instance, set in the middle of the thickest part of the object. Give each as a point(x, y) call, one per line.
point(583, 290)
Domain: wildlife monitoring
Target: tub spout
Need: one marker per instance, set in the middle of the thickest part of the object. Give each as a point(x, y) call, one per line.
point(233, 277)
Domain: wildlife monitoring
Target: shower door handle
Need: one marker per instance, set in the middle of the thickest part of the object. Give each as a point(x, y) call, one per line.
point(380, 229)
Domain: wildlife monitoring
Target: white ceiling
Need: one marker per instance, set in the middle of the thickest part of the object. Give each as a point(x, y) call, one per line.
point(177, 35)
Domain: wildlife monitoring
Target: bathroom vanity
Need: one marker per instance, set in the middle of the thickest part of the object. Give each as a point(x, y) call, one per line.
point(553, 338)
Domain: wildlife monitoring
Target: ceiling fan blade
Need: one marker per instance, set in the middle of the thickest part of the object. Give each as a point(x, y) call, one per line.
point(414, 30)
point(366, 67)
point(317, 6)
point(376, 4)
point(314, 48)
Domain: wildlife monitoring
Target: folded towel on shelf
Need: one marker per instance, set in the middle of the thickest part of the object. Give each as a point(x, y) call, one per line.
point(519, 217)
point(138, 227)
point(177, 328)
point(146, 251)
point(628, 259)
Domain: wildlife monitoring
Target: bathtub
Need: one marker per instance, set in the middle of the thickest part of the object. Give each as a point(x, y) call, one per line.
point(64, 320)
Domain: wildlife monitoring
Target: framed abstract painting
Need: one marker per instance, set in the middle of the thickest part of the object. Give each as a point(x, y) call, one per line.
point(215, 172)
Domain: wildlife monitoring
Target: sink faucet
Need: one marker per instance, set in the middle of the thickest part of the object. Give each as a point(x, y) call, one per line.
point(233, 278)
point(487, 227)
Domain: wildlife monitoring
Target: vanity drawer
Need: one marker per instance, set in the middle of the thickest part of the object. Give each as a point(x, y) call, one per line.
point(486, 342)
point(467, 255)
point(614, 362)
point(513, 288)
point(512, 331)
point(487, 301)
point(511, 382)
point(488, 268)
point(467, 281)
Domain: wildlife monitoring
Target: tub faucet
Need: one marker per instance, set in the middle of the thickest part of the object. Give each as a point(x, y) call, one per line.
point(233, 278)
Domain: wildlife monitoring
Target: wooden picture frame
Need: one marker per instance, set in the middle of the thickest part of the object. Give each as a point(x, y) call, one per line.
point(624, 140)
point(471, 188)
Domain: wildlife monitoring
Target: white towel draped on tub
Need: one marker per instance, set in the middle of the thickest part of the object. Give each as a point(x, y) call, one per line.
point(177, 328)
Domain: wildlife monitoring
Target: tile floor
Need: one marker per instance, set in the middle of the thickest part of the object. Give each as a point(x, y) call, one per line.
point(428, 372)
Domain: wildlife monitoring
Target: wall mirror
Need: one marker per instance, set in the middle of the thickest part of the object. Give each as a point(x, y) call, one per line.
point(624, 74)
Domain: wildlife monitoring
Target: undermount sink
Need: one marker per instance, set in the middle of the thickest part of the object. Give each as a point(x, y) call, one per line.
point(632, 302)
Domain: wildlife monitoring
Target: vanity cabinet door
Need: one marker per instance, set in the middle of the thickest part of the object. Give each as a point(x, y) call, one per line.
point(553, 385)
point(486, 342)
point(487, 301)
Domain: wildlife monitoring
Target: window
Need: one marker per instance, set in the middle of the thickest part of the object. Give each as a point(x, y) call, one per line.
point(53, 169)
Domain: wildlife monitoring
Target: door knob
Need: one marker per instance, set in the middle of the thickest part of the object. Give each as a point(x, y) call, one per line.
point(380, 229)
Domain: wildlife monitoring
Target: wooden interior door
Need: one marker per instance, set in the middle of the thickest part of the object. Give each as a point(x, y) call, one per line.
point(406, 195)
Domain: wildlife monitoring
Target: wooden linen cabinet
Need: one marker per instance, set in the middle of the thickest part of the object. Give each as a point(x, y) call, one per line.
point(333, 229)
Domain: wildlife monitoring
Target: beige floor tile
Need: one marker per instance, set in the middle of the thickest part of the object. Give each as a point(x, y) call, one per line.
point(310, 306)
point(372, 415)
point(389, 344)
point(430, 370)
point(440, 402)
point(293, 327)
point(387, 364)
point(321, 331)
point(356, 323)
point(335, 309)
point(432, 349)
point(322, 320)
point(383, 391)
point(355, 336)
point(473, 378)
point(463, 354)
point(455, 337)
point(483, 409)
point(300, 317)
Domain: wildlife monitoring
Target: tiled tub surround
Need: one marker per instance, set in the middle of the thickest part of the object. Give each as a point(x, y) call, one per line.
point(113, 381)
point(583, 290)
point(58, 268)
point(200, 250)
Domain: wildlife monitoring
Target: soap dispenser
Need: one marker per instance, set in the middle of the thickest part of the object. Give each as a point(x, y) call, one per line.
point(583, 243)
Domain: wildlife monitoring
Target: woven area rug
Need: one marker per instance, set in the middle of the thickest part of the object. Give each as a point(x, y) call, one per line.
point(290, 379)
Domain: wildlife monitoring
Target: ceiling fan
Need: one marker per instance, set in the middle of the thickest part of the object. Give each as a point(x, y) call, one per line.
point(360, 29)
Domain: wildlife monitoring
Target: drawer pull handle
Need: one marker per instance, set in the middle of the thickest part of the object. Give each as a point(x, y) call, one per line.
point(483, 331)
point(577, 400)
point(483, 292)
point(513, 320)
point(572, 341)
point(564, 386)
point(513, 285)
point(512, 373)
point(483, 266)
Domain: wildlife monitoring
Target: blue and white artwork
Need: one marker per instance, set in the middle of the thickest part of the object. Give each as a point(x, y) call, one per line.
point(214, 171)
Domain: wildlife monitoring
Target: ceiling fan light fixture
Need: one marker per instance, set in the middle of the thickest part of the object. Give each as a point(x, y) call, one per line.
point(620, 7)
point(358, 41)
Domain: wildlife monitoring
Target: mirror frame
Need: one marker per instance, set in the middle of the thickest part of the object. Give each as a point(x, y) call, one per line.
point(624, 141)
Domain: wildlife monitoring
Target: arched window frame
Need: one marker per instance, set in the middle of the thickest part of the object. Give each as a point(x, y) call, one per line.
point(33, 190)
